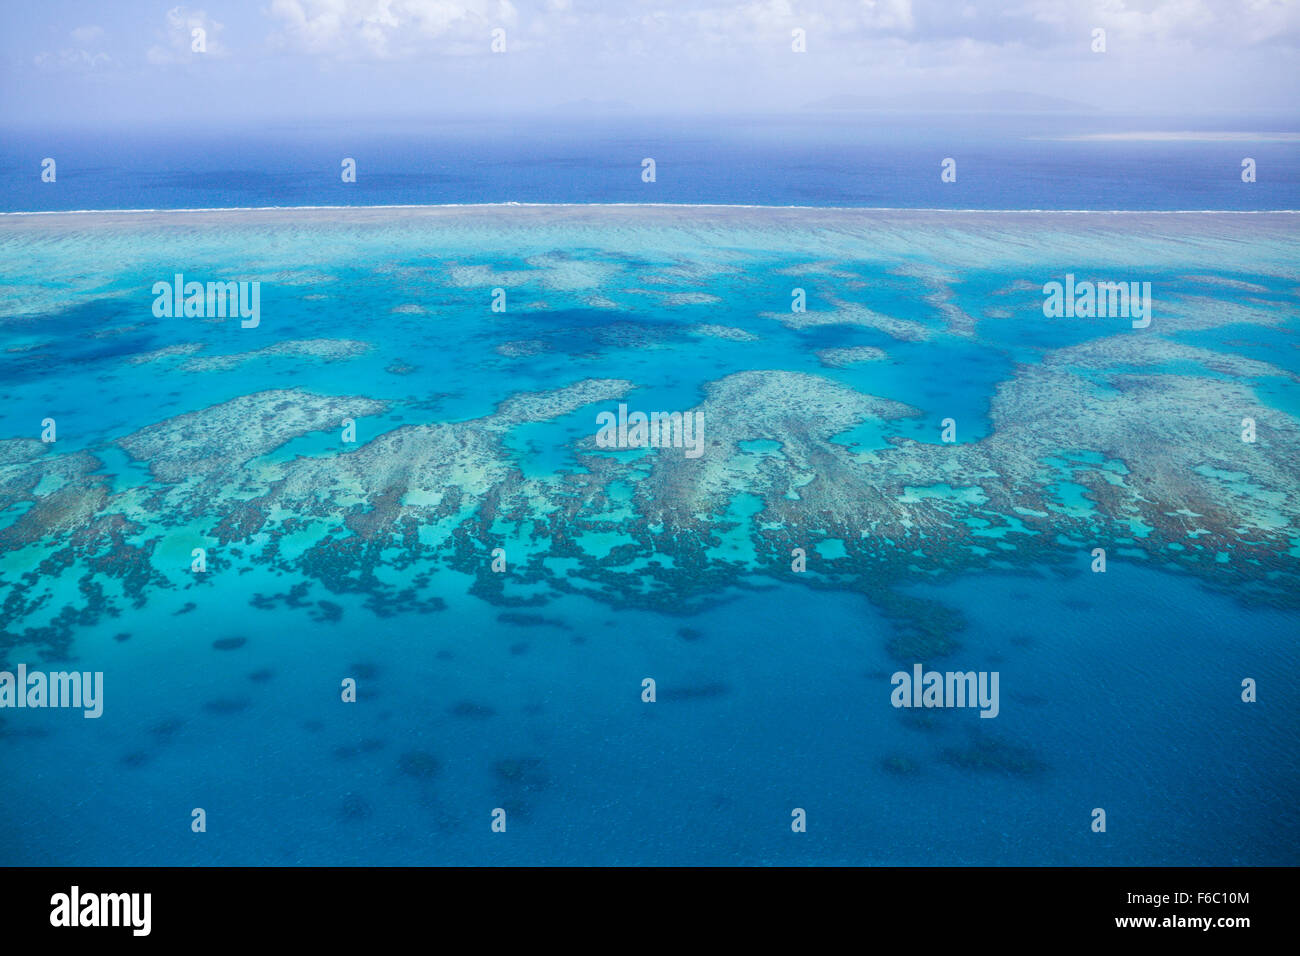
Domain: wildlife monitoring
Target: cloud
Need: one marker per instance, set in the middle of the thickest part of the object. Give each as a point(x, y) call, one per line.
point(888, 15)
point(175, 41)
point(1204, 23)
point(928, 30)
point(691, 55)
point(87, 35)
point(83, 56)
point(389, 29)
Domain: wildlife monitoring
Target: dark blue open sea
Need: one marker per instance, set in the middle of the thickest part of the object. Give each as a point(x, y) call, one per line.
point(353, 465)
point(837, 158)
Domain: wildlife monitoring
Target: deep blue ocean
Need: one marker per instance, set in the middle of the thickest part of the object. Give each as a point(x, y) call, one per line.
point(845, 158)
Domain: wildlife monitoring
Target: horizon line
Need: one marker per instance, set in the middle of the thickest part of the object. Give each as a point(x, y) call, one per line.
point(558, 205)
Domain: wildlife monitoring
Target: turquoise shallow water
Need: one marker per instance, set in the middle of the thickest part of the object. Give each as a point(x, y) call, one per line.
point(523, 690)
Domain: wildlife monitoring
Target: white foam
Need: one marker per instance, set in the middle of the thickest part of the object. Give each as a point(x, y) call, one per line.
point(659, 205)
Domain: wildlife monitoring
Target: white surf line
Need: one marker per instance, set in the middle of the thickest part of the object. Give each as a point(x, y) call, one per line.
point(653, 205)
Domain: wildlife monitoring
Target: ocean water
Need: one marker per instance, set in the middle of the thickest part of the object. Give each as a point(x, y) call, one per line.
point(522, 690)
point(869, 159)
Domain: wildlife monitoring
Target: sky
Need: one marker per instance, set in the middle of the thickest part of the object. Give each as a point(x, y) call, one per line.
point(130, 63)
